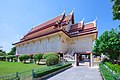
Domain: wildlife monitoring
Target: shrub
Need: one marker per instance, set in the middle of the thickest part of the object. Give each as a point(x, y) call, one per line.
point(37, 57)
point(31, 56)
point(52, 60)
point(2, 58)
point(114, 67)
point(10, 57)
point(48, 70)
point(24, 57)
point(107, 75)
point(15, 59)
point(48, 54)
point(2, 54)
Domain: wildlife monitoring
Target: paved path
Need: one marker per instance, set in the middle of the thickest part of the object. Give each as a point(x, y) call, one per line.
point(78, 73)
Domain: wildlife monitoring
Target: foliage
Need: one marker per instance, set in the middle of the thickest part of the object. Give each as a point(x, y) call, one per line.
point(10, 57)
point(13, 51)
point(105, 60)
point(13, 67)
point(2, 58)
point(31, 56)
point(2, 54)
point(15, 59)
point(2, 51)
point(108, 44)
point(116, 9)
point(24, 57)
point(52, 60)
point(48, 54)
point(37, 57)
point(48, 70)
point(106, 74)
point(114, 67)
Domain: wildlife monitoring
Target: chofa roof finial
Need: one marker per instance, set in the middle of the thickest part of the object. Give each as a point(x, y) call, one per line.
point(95, 22)
point(63, 13)
point(72, 12)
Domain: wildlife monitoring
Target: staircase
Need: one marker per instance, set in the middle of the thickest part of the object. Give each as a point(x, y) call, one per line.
point(69, 56)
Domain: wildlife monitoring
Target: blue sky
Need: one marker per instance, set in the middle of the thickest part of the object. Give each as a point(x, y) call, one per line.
point(17, 17)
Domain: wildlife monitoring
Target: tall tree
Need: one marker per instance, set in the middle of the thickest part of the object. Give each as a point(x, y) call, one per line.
point(13, 51)
point(116, 9)
point(109, 44)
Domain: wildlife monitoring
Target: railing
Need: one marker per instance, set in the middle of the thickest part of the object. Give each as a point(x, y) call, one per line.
point(70, 54)
point(26, 75)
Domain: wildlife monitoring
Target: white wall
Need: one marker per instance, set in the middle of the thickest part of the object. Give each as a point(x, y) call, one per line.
point(56, 43)
point(82, 44)
point(48, 44)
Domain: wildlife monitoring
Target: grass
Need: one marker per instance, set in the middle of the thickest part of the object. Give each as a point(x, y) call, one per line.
point(13, 67)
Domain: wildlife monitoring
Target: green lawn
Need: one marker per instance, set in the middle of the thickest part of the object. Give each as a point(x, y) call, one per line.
point(12, 67)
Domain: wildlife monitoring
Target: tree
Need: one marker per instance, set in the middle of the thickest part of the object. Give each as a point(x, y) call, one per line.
point(116, 9)
point(109, 44)
point(24, 57)
point(37, 57)
point(13, 51)
point(2, 53)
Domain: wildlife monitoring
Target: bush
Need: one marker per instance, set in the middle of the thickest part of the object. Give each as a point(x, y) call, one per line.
point(52, 60)
point(114, 67)
point(48, 70)
point(15, 59)
point(37, 57)
point(10, 57)
point(31, 56)
point(106, 74)
point(2, 54)
point(2, 58)
point(48, 54)
point(24, 57)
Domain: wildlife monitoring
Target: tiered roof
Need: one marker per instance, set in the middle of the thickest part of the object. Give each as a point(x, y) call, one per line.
point(61, 23)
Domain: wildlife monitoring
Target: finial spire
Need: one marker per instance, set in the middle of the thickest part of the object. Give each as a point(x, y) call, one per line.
point(72, 12)
point(82, 20)
point(63, 13)
point(95, 22)
point(95, 19)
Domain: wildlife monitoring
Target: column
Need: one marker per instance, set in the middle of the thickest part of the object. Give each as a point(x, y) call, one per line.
point(91, 60)
point(75, 64)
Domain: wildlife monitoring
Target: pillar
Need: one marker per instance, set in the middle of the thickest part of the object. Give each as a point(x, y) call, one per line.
point(91, 60)
point(75, 60)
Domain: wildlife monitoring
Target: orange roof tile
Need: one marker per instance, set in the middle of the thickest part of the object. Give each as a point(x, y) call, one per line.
point(58, 18)
point(89, 25)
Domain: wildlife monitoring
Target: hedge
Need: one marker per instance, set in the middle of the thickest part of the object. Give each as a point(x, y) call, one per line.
point(48, 54)
point(48, 70)
point(105, 73)
point(114, 67)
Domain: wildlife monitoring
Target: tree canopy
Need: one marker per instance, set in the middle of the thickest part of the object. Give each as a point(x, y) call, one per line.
point(116, 9)
point(109, 44)
point(13, 51)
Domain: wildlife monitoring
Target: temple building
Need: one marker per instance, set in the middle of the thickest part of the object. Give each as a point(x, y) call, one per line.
point(60, 34)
